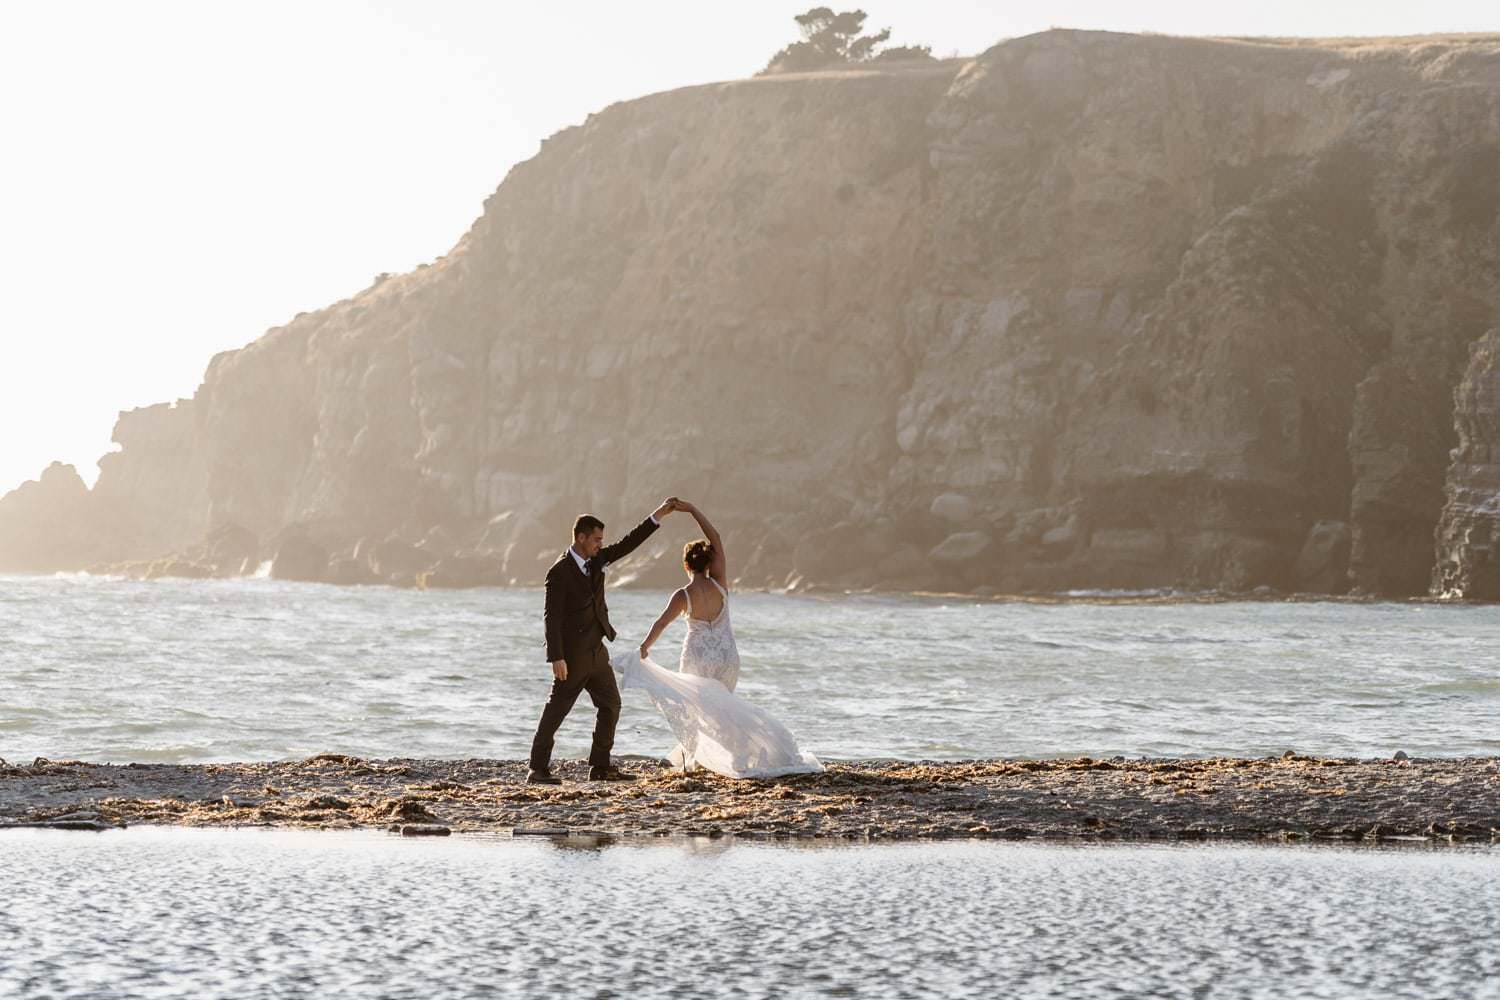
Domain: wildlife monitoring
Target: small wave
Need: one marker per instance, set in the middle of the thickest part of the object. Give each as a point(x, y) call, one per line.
point(1478, 686)
point(134, 728)
point(35, 713)
point(178, 753)
point(84, 576)
point(1129, 594)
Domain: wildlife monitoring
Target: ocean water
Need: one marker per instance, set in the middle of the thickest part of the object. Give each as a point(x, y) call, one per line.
point(253, 669)
point(112, 670)
point(250, 914)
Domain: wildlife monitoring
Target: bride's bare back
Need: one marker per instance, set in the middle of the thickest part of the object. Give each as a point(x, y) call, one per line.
point(705, 601)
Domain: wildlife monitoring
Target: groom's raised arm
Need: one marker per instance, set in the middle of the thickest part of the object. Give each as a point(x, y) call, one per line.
point(619, 550)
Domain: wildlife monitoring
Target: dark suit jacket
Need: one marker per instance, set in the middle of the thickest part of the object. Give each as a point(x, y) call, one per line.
point(576, 612)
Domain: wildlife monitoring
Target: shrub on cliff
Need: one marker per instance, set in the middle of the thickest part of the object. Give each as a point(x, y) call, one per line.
point(830, 40)
point(899, 53)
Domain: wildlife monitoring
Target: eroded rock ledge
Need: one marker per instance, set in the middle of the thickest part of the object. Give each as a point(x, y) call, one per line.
point(1291, 797)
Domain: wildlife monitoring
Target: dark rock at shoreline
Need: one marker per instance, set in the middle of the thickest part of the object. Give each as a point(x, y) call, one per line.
point(459, 572)
point(300, 558)
point(349, 572)
point(423, 830)
point(1323, 564)
point(180, 569)
point(230, 547)
point(398, 562)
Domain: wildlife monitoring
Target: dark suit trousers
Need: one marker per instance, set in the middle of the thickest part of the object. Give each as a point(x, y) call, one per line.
point(588, 670)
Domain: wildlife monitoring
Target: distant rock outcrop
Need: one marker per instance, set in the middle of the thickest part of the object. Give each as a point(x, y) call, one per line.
point(47, 524)
point(1087, 311)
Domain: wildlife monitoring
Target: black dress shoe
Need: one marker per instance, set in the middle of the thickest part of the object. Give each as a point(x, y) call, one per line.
point(535, 777)
point(609, 774)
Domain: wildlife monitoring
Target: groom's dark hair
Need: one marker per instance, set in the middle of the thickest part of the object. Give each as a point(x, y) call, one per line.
point(586, 525)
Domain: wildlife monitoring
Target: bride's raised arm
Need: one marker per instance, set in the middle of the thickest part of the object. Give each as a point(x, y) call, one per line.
point(676, 605)
point(719, 567)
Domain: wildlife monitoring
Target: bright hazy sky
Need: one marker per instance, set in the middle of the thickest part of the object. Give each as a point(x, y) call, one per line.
point(177, 177)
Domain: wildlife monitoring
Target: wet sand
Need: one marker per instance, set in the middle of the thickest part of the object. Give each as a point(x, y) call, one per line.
point(1287, 798)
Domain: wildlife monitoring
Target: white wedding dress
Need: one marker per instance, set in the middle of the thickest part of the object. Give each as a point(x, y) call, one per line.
point(715, 728)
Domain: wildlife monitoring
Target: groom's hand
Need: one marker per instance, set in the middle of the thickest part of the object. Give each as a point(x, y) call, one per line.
point(560, 669)
point(667, 506)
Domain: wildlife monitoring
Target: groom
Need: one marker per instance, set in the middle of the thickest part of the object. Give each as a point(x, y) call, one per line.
point(577, 623)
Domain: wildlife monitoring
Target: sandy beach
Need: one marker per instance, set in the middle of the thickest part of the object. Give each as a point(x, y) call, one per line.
point(1287, 798)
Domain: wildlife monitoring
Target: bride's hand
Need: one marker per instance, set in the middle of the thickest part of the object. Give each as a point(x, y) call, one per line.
point(645, 651)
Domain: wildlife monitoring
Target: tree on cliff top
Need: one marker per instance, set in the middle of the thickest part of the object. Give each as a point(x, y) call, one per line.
point(830, 40)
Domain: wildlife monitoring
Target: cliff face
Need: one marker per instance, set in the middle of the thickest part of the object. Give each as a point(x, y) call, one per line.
point(1469, 532)
point(150, 493)
point(1090, 310)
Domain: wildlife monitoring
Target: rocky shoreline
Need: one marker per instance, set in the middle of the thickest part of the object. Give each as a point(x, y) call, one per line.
point(1291, 797)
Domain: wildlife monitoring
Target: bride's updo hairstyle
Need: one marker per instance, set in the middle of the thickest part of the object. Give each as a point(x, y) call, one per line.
point(697, 556)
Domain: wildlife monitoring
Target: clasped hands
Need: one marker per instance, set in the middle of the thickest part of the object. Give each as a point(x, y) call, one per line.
point(671, 504)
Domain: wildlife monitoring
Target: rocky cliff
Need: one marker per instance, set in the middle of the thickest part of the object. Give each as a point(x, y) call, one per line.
point(1469, 532)
point(1089, 310)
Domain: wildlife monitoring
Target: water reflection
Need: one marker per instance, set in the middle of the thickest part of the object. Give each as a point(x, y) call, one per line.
point(276, 913)
point(583, 842)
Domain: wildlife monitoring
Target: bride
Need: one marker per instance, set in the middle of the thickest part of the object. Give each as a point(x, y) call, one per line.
point(715, 728)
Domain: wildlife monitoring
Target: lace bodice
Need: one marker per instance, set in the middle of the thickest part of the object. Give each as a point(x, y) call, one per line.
point(708, 649)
